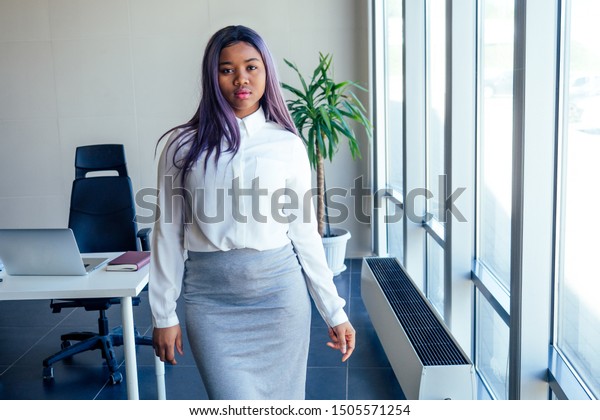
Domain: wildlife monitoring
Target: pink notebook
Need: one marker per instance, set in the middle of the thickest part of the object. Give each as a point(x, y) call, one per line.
point(129, 261)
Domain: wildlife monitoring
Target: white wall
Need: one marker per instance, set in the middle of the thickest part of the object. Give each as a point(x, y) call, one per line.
point(75, 72)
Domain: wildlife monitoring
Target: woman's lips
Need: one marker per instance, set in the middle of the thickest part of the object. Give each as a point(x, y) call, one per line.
point(242, 93)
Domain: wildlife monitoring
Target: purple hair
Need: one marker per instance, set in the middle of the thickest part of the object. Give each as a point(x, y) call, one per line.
point(215, 119)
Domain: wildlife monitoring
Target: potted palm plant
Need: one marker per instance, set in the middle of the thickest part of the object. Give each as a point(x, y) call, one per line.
point(324, 111)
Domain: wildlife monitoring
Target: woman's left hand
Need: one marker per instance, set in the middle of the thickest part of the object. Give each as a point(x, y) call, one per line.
point(343, 338)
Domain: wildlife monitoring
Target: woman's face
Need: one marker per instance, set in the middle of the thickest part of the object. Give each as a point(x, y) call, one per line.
point(242, 77)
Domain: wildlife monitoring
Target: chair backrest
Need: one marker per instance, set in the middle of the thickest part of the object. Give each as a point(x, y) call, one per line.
point(102, 210)
point(100, 157)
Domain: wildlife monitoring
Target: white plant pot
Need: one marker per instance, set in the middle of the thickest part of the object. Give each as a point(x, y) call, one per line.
point(335, 249)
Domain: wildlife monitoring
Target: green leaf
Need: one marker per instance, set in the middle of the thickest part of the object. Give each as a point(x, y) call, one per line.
point(310, 146)
point(295, 91)
point(320, 141)
point(323, 108)
point(325, 116)
point(295, 68)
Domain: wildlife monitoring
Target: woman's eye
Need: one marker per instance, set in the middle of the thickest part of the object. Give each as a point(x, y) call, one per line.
point(252, 67)
point(226, 71)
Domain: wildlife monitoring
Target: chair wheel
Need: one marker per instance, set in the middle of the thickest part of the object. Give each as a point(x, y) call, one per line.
point(48, 373)
point(116, 378)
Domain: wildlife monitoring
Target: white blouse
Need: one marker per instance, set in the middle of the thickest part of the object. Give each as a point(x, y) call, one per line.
point(260, 198)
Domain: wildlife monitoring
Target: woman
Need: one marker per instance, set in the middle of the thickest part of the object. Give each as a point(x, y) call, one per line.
point(230, 182)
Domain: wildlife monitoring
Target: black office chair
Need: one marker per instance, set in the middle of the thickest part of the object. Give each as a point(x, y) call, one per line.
point(102, 217)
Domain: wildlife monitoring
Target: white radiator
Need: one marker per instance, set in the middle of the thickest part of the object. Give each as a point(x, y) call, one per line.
point(426, 359)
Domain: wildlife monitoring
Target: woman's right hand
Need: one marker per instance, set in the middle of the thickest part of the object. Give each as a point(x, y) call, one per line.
point(165, 341)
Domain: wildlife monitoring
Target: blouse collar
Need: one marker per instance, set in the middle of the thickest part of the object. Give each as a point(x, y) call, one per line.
point(253, 122)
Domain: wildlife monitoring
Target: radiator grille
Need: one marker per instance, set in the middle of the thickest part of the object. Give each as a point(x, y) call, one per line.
point(431, 341)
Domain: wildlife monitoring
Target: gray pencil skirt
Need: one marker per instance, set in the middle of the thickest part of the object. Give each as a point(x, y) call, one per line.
point(248, 322)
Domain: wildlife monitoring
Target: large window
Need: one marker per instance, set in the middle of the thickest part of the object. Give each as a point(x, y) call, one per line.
point(492, 348)
point(495, 136)
point(435, 274)
point(436, 95)
point(500, 102)
point(394, 92)
point(493, 233)
point(578, 319)
point(435, 116)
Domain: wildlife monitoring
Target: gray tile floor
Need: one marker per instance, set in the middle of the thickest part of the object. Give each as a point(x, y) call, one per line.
point(30, 332)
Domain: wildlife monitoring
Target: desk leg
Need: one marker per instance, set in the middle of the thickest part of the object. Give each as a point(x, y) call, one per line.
point(159, 368)
point(129, 347)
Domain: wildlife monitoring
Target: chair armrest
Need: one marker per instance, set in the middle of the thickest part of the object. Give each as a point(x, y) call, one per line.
point(144, 235)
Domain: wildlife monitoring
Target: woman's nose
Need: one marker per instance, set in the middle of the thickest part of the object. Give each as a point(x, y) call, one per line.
point(241, 79)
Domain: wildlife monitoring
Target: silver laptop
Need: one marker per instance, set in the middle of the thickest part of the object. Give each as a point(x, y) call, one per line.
point(44, 252)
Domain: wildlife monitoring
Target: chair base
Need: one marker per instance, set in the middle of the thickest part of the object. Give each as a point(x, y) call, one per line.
point(48, 375)
point(91, 341)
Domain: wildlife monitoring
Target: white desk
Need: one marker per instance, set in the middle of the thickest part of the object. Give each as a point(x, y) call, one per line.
point(99, 284)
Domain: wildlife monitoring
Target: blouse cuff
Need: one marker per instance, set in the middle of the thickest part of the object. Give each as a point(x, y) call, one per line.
point(165, 322)
point(338, 318)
